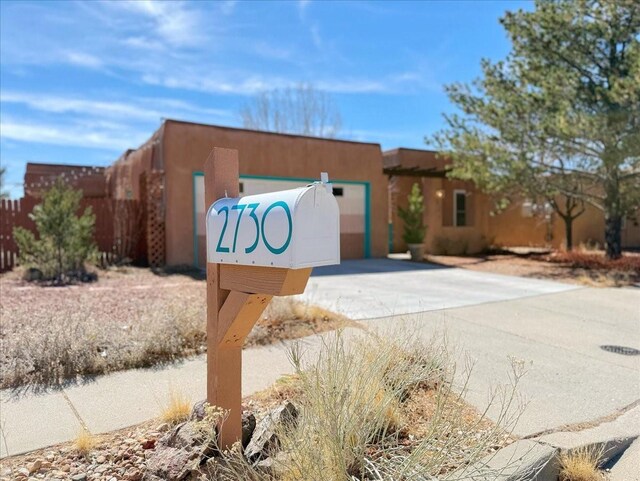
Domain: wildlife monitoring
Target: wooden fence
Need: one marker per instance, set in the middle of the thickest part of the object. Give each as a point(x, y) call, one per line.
point(119, 228)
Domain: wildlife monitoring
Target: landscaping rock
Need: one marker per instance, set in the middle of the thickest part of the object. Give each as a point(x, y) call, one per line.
point(198, 411)
point(32, 274)
point(179, 452)
point(265, 437)
point(34, 467)
point(148, 443)
point(248, 427)
point(269, 464)
point(23, 473)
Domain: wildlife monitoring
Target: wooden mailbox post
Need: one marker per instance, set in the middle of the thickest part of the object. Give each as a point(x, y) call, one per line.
point(257, 247)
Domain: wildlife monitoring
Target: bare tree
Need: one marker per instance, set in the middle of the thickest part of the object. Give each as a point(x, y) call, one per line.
point(294, 110)
point(3, 193)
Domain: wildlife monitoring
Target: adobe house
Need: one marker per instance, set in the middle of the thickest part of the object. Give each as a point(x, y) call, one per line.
point(459, 217)
point(169, 168)
point(165, 173)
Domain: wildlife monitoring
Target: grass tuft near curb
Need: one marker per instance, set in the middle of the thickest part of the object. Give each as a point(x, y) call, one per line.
point(581, 464)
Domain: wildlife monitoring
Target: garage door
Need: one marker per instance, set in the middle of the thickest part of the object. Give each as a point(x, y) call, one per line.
point(351, 197)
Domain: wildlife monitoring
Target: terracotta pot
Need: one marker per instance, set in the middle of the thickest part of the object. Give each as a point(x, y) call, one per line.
point(417, 252)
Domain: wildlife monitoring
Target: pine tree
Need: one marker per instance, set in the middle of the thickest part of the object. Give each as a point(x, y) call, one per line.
point(559, 118)
point(414, 228)
point(65, 240)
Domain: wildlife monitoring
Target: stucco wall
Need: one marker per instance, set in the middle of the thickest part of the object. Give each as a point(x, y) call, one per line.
point(40, 177)
point(186, 146)
point(511, 228)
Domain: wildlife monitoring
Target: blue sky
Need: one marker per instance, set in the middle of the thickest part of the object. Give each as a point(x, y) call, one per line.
point(80, 82)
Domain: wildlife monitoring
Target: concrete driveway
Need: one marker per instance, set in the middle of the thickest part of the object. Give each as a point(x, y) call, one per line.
point(556, 329)
point(371, 288)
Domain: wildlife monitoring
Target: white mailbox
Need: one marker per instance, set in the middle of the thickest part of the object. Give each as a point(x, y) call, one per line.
point(294, 228)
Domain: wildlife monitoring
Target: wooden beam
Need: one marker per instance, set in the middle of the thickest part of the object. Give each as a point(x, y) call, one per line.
point(274, 281)
point(238, 315)
point(224, 366)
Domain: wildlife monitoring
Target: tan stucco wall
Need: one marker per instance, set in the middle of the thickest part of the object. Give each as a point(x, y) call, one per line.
point(510, 228)
point(507, 229)
point(185, 147)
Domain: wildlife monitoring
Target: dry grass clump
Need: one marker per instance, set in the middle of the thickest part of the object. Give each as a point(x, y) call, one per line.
point(376, 409)
point(126, 320)
point(85, 442)
point(56, 345)
point(177, 409)
point(581, 464)
point(289, 318)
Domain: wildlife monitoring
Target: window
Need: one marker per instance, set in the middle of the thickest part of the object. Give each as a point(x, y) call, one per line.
point(338, 191)
point(459, 208)
point(241, 188)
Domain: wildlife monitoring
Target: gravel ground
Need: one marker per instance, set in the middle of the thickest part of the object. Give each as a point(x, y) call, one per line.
point(116, 456)
point(129, 318)
point(536, 266)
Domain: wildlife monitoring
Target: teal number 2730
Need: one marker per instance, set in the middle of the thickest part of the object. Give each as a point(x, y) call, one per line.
point(259, 227)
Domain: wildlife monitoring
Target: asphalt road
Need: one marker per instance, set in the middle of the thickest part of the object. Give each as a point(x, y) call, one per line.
point(555, 329)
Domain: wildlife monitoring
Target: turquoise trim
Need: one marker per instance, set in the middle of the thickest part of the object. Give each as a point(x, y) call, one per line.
point(367, 205)
point(195, 218)
point(367, 220)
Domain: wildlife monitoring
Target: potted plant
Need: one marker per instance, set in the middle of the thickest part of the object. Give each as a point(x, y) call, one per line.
point(414, 228)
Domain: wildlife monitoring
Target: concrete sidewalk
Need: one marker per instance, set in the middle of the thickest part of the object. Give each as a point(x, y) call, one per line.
point(31, 421)
point(556, 329)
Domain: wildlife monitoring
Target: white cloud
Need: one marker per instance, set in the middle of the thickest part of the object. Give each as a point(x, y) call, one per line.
point(315, 36)
point(228, 7)
point(354, 86)
point(176, 23)
point(207, 83)
point(149, 109)
point(269, 51)
point(302, 8)
point(79, 136)
point(82, 59)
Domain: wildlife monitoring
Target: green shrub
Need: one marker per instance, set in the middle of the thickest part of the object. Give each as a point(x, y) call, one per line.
point(414, 228)
point(65, 240)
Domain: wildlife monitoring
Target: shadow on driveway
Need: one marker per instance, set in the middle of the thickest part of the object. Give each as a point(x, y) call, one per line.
point(374, 266)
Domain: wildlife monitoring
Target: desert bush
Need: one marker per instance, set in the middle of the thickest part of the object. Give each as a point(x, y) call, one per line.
point(65, 240)
point(450, 247)
point(359, 417)
point(596, 261)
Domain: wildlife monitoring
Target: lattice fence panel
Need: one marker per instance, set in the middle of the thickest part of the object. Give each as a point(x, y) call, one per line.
point(155, 219)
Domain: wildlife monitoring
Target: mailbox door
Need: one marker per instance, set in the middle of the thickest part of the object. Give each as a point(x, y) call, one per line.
point(317, 229)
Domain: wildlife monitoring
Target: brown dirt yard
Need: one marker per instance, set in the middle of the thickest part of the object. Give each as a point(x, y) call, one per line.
point(584, 268)
point(131, 317)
